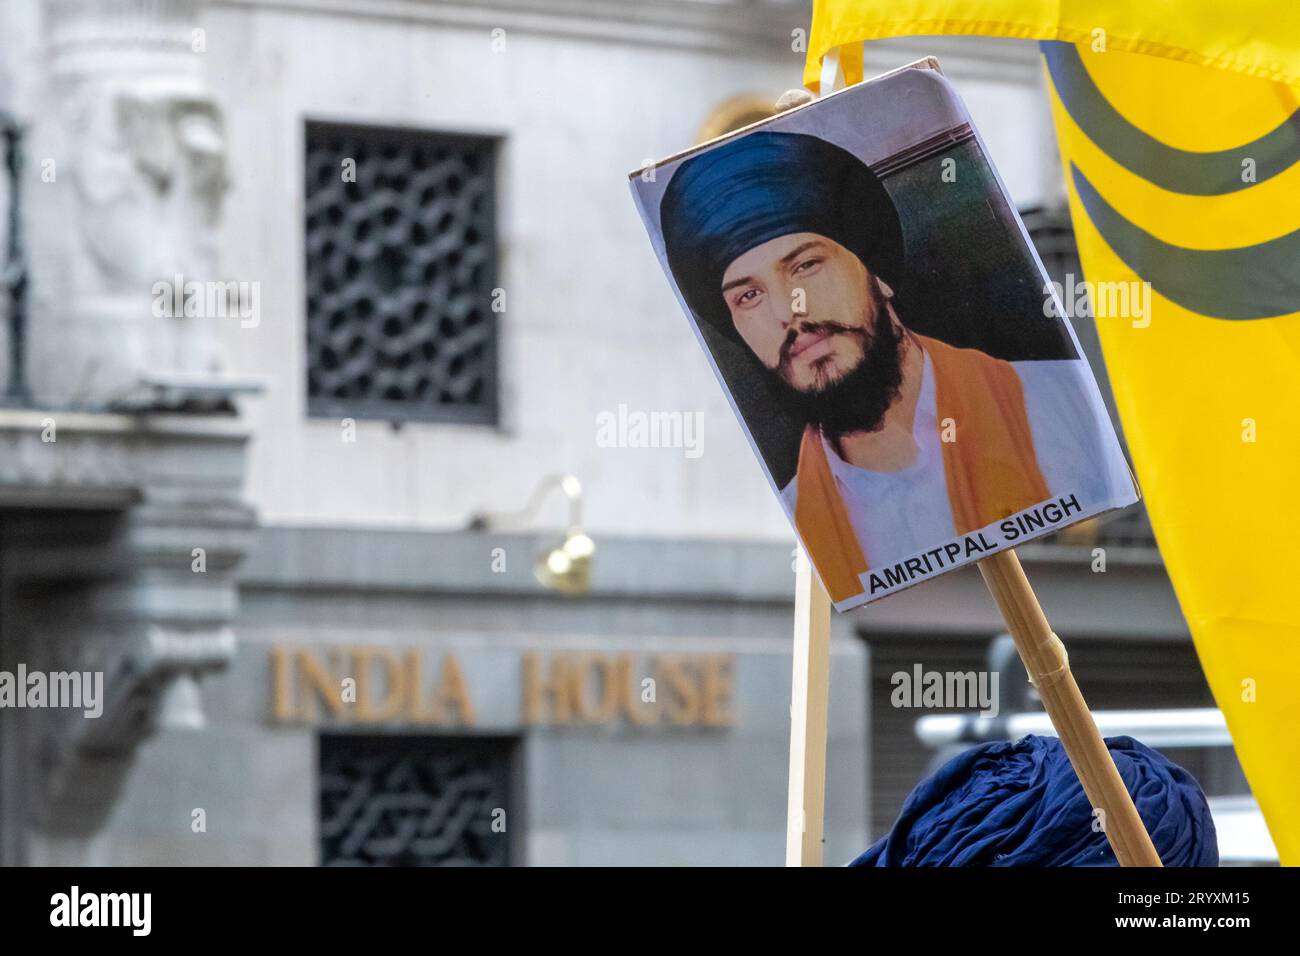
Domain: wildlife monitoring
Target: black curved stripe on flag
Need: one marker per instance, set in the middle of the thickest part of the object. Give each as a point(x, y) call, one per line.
point(1249, 282)
point(1213, 173)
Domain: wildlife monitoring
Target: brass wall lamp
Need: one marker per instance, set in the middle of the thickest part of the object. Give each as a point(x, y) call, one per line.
point(565, 566)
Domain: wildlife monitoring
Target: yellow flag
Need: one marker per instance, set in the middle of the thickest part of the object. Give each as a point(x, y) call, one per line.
point(1195, 188)
point(1255, 37)
point(1186, 178)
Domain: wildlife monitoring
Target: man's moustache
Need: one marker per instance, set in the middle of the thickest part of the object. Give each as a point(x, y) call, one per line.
point(813, 328)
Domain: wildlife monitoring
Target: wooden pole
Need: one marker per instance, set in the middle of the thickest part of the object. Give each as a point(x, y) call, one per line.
point(809, 693)
point(1049, 670)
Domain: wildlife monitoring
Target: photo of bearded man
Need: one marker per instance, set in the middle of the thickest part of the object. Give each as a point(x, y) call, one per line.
point(791, 246)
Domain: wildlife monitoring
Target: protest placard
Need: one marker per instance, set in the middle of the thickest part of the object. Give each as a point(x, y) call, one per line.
point(884, 329)
point(900, 362)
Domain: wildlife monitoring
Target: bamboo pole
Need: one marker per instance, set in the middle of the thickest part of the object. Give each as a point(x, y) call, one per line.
point(1049, 670)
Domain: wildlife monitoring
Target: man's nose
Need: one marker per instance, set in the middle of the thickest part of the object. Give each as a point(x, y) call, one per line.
point(798, 310)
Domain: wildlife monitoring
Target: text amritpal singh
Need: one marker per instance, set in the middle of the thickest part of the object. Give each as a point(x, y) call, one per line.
point(1027, 524)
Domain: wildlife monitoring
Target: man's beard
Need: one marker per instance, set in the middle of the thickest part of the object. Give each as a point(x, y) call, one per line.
point(859, 399)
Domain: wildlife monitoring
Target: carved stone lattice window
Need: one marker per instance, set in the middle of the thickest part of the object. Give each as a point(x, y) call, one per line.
point(415, 801)
point(401, 267)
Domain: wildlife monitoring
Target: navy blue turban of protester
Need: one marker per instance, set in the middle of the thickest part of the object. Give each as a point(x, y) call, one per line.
point(722, 203)
point(1020, 804)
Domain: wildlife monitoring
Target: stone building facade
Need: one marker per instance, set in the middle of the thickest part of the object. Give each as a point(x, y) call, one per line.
point(268, 426)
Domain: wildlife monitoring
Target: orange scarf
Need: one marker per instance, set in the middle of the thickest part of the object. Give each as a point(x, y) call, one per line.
point(991, 468)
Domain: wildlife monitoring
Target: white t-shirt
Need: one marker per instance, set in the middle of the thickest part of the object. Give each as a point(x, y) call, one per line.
point(899, 513)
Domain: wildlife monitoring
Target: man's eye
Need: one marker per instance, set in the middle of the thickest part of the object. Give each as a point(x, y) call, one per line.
point(748, 297)
point(806, 265)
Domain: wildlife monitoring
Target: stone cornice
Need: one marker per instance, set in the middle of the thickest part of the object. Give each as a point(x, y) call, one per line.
point(459, 564)
point(734, 27)
point(111, 461)
point(674, 23)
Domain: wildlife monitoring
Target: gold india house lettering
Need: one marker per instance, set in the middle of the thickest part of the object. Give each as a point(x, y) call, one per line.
point(362, 684)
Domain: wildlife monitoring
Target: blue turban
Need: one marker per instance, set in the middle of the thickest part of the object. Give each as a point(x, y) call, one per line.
point(1020, 804)
point(724, 202)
